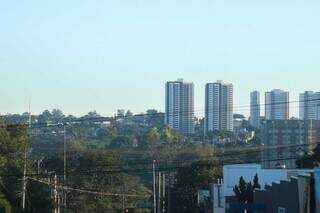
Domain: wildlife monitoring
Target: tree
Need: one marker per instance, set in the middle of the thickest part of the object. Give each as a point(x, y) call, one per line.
point(5, 206)
point(241, 190)
point(170, 136)
point(103, 172)
point(45, 117)
point(92, 114)
point(107, 133)
point(70, 118)
point(154, 118)
point(120, 113)
point(121, 142)
point(238, 116)
point(256, 184)
point(13, 140)
point(152, 137)
point(244, 190)
point(152, 112)
point(40, 196)
point(129, 114)
point(226, 134)
point(57, 115)
point(310, 160)
point(211, 135)
point(189, 180)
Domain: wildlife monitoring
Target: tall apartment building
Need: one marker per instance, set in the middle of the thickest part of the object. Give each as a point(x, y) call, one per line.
point(287, 140)
point(255, 109)
point(180, 106)
point(277, 105)
point(309, 105)
point(218, 107)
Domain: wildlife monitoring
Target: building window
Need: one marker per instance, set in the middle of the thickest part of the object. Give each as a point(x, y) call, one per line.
point(282, 210)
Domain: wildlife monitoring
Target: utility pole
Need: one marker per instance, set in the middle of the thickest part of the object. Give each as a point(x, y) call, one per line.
point(123, 198)
point(169, 193)
point(123, 202)
point(38, 168)
point(163, 193)
point(154, 187)
point(56, 195)
point(65, 163)
point(24, 179)
point(159, 193)
point(64, 154)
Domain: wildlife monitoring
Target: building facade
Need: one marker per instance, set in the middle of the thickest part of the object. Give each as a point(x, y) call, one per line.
point(286, 140)
point(224, 199)
point(309, 105)
point(275, 197)
point(277, 105)
point(179, 112)
point(255, 109)
point(218, 107)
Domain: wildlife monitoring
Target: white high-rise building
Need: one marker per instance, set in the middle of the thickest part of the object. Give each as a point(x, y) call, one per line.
point(180, 106)
point(255, 109)
point(219, 107)
point(277, 105)
point(309, 105)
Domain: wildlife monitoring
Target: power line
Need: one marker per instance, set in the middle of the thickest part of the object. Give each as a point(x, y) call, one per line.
point(217, 156)
point(62, 187)
point(67, 188)
point(100, 119)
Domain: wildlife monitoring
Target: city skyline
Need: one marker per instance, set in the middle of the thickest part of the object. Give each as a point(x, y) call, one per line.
point(244, 109)
point(59, 58)
point(171, 106)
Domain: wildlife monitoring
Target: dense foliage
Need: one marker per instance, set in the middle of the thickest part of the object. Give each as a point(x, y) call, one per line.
point(244, 190)
point(189, 180)
point(310, 160)
point(13, 141)
point(113, 159)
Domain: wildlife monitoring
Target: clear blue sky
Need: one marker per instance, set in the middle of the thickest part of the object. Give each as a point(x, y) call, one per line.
point(104, 55)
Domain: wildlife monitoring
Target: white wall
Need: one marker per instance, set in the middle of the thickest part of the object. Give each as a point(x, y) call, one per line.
point(232, 174)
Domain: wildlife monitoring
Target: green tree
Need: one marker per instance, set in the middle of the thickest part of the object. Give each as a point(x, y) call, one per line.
point(45, 117)
point(120, 113)
point(92, 114)
point(122, 142)
point(40, 199)
point(5, 206)
point(13, 140)
point(152, 137)
point(154, 118)
point(57, 115)
point(189, 180)
point(107, 133)
point(241, 190)
point(256, 184)
point(244, 190)
point(310, 160)
point(102, 172)
point(170, 136)
point(128, 114)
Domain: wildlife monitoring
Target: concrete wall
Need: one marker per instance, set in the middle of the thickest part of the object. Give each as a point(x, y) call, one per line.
point(232, 174)
point(285, 195)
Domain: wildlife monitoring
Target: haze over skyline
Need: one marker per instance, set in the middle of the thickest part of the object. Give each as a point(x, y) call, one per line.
point(80, 56)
